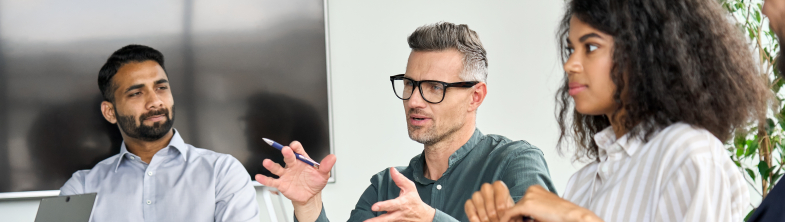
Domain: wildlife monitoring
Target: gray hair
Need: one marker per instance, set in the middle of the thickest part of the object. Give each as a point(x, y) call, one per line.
point(445, 35)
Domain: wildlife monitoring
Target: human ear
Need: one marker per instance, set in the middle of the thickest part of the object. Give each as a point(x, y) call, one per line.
point(107, 109)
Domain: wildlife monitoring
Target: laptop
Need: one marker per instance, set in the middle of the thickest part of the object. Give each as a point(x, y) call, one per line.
point(75, 208)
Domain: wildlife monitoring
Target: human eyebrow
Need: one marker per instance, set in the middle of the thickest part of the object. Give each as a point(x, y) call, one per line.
point(584, 37)
point(137, 86)
point(161, 81)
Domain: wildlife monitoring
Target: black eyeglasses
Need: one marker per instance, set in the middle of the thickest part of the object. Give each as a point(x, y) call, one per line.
point(432, 91)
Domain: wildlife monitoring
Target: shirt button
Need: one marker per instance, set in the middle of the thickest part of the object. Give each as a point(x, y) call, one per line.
point(605, 169)
point(439, 187)
point(149, 202)
point(150, 173)
point(131, 157)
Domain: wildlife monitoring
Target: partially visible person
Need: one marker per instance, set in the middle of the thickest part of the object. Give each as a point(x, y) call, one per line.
point(775, 12)
point(157, 176)
point(772, 208)
point(651, 91)
point(441, 91)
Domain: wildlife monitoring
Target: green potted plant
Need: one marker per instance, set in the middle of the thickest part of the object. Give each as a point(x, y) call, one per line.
point(758, 149)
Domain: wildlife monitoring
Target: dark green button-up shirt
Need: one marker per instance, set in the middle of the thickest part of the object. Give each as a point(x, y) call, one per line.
point(483, 159)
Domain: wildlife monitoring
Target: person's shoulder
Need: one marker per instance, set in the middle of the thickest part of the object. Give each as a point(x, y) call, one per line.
point(195, 153)
point(101, 168)
point(385, 173)
point(680, 139)
point(683, 145)
point(80, 178)
point(504, 146)
point(384, 176)
point(221, 163)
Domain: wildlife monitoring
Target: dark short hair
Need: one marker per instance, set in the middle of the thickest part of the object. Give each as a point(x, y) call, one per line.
point(125, 55)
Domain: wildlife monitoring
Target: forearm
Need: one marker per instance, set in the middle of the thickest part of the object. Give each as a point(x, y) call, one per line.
point(310, 210)
point(583, 215)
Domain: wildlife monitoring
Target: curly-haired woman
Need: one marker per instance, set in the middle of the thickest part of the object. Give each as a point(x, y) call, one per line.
point(651, 90)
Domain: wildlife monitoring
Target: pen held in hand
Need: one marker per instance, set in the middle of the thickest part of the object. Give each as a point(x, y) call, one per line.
point(299, 156)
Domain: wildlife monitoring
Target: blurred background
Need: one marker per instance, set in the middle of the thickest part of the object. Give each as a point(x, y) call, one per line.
point(240, 70)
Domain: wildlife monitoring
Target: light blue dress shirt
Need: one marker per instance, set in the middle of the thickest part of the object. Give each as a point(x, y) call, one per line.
point(181, 183)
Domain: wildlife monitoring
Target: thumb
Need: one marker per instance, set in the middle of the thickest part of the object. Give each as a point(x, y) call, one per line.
point(327, 163)
point(404, 183)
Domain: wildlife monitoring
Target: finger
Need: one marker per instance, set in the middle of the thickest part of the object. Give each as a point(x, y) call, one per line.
point(490, 204)
point(297, 147)
point(502, 197)
point(517, 211)
point(273, 167)
point(267, 181)
point(288, 156)
point(327, 163)
point(479, 202)
point(471, 211)
point(387, 205)
point(404, 183)
point(390, 216)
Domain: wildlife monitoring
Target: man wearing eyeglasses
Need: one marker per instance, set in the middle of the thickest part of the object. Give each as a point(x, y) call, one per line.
point(442, 89)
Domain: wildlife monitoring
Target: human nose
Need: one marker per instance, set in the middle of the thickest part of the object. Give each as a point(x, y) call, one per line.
point(573, 65)
point(416, 100)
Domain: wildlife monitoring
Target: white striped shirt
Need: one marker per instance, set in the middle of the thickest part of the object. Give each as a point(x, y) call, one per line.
point(681, 174)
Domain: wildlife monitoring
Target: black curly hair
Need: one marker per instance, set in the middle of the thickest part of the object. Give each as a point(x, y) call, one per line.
point(681, 61)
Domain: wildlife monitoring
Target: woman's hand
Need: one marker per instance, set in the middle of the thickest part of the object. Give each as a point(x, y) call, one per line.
point(542, 205)
point(490, 203)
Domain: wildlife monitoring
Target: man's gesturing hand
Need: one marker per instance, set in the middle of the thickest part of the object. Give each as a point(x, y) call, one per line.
point(407, 207)
point(299, 182)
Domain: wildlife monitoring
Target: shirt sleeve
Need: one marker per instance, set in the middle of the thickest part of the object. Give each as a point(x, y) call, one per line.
point(526, 168)
point(235, 197)
point(322, 216)
point(702, 189)
point(74, 185)
point(440, 216)
point(362, 210)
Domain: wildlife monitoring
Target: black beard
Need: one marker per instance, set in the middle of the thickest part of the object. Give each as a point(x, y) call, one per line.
point(143, 132)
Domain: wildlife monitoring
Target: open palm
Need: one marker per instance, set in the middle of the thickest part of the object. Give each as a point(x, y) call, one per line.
point(298, 181)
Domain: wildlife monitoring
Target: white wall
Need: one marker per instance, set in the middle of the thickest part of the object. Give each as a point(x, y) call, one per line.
point(368, 44)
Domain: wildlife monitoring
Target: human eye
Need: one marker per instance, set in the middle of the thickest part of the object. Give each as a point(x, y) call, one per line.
point(591, 47)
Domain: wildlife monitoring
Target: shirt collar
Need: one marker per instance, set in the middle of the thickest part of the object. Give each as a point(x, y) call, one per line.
point(176, 142)
point(607, 143)
point(418, 162)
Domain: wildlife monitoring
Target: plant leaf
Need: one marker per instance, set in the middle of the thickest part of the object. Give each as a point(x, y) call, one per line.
point(752, 147)
point(774, 178)
point(751, 173)
point(763, 169)
point(757, 16)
